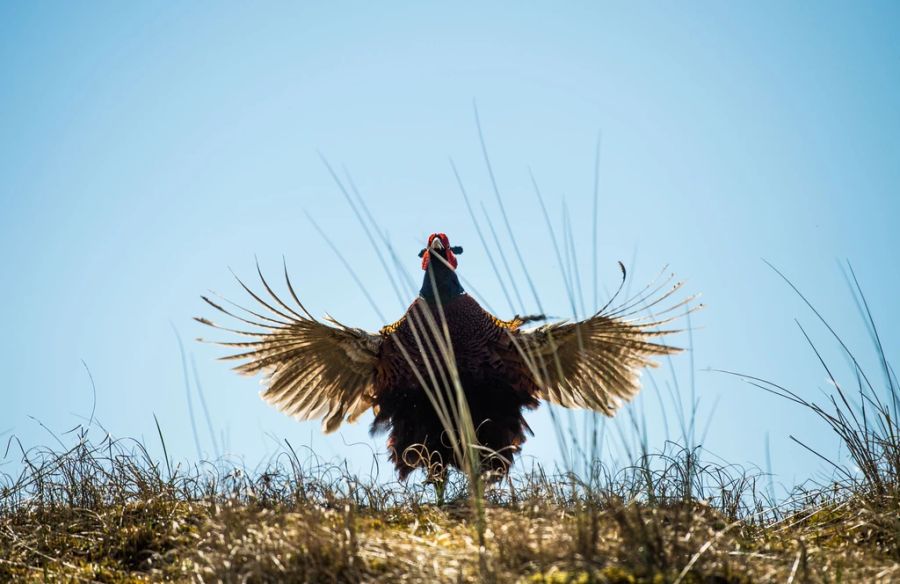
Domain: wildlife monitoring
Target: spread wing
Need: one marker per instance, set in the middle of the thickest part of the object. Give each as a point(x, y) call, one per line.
point(312, 369)
point(596, 363)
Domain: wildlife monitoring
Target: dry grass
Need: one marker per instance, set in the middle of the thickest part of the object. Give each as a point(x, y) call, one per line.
point(107, 512)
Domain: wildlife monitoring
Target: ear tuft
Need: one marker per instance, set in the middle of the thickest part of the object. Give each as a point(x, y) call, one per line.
point(421, 253)
point(457, 249)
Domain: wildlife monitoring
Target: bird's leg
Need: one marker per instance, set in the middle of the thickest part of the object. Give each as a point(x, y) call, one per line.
point(440, 488)
point(438, 477)
point(512, 489)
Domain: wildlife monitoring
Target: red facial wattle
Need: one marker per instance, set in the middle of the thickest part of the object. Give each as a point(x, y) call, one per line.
point(448, 253)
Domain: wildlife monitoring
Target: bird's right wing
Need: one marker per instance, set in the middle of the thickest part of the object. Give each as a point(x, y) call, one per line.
point(312, 369)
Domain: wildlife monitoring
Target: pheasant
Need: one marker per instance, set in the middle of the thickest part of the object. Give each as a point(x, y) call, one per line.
point(445, 360)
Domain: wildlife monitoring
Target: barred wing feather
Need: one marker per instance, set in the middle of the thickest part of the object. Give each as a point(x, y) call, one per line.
point(311, 369)
point(596, 363)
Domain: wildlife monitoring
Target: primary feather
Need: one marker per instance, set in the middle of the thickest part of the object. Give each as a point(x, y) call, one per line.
point(312, 369)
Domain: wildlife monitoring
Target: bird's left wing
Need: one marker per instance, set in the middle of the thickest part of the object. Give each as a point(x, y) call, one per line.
point(312, 369)
point(596, 363)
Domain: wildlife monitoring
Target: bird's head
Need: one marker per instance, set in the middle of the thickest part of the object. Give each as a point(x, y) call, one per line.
point(439, 244)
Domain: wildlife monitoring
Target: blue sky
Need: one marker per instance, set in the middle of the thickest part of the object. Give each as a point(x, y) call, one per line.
point(147, 148)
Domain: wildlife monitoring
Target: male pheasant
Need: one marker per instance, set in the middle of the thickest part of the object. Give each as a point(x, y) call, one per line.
point(446, 346)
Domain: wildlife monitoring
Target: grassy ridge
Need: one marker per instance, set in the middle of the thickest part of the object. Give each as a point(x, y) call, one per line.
point(107, 512)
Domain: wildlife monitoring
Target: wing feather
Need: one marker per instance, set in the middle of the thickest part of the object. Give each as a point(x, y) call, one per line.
point(596, 363)
point(312, 369)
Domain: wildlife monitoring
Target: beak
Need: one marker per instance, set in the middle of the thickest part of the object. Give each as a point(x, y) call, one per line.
point(437, 245)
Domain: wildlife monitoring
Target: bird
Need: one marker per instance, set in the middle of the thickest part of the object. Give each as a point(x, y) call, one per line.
point(448, 378)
